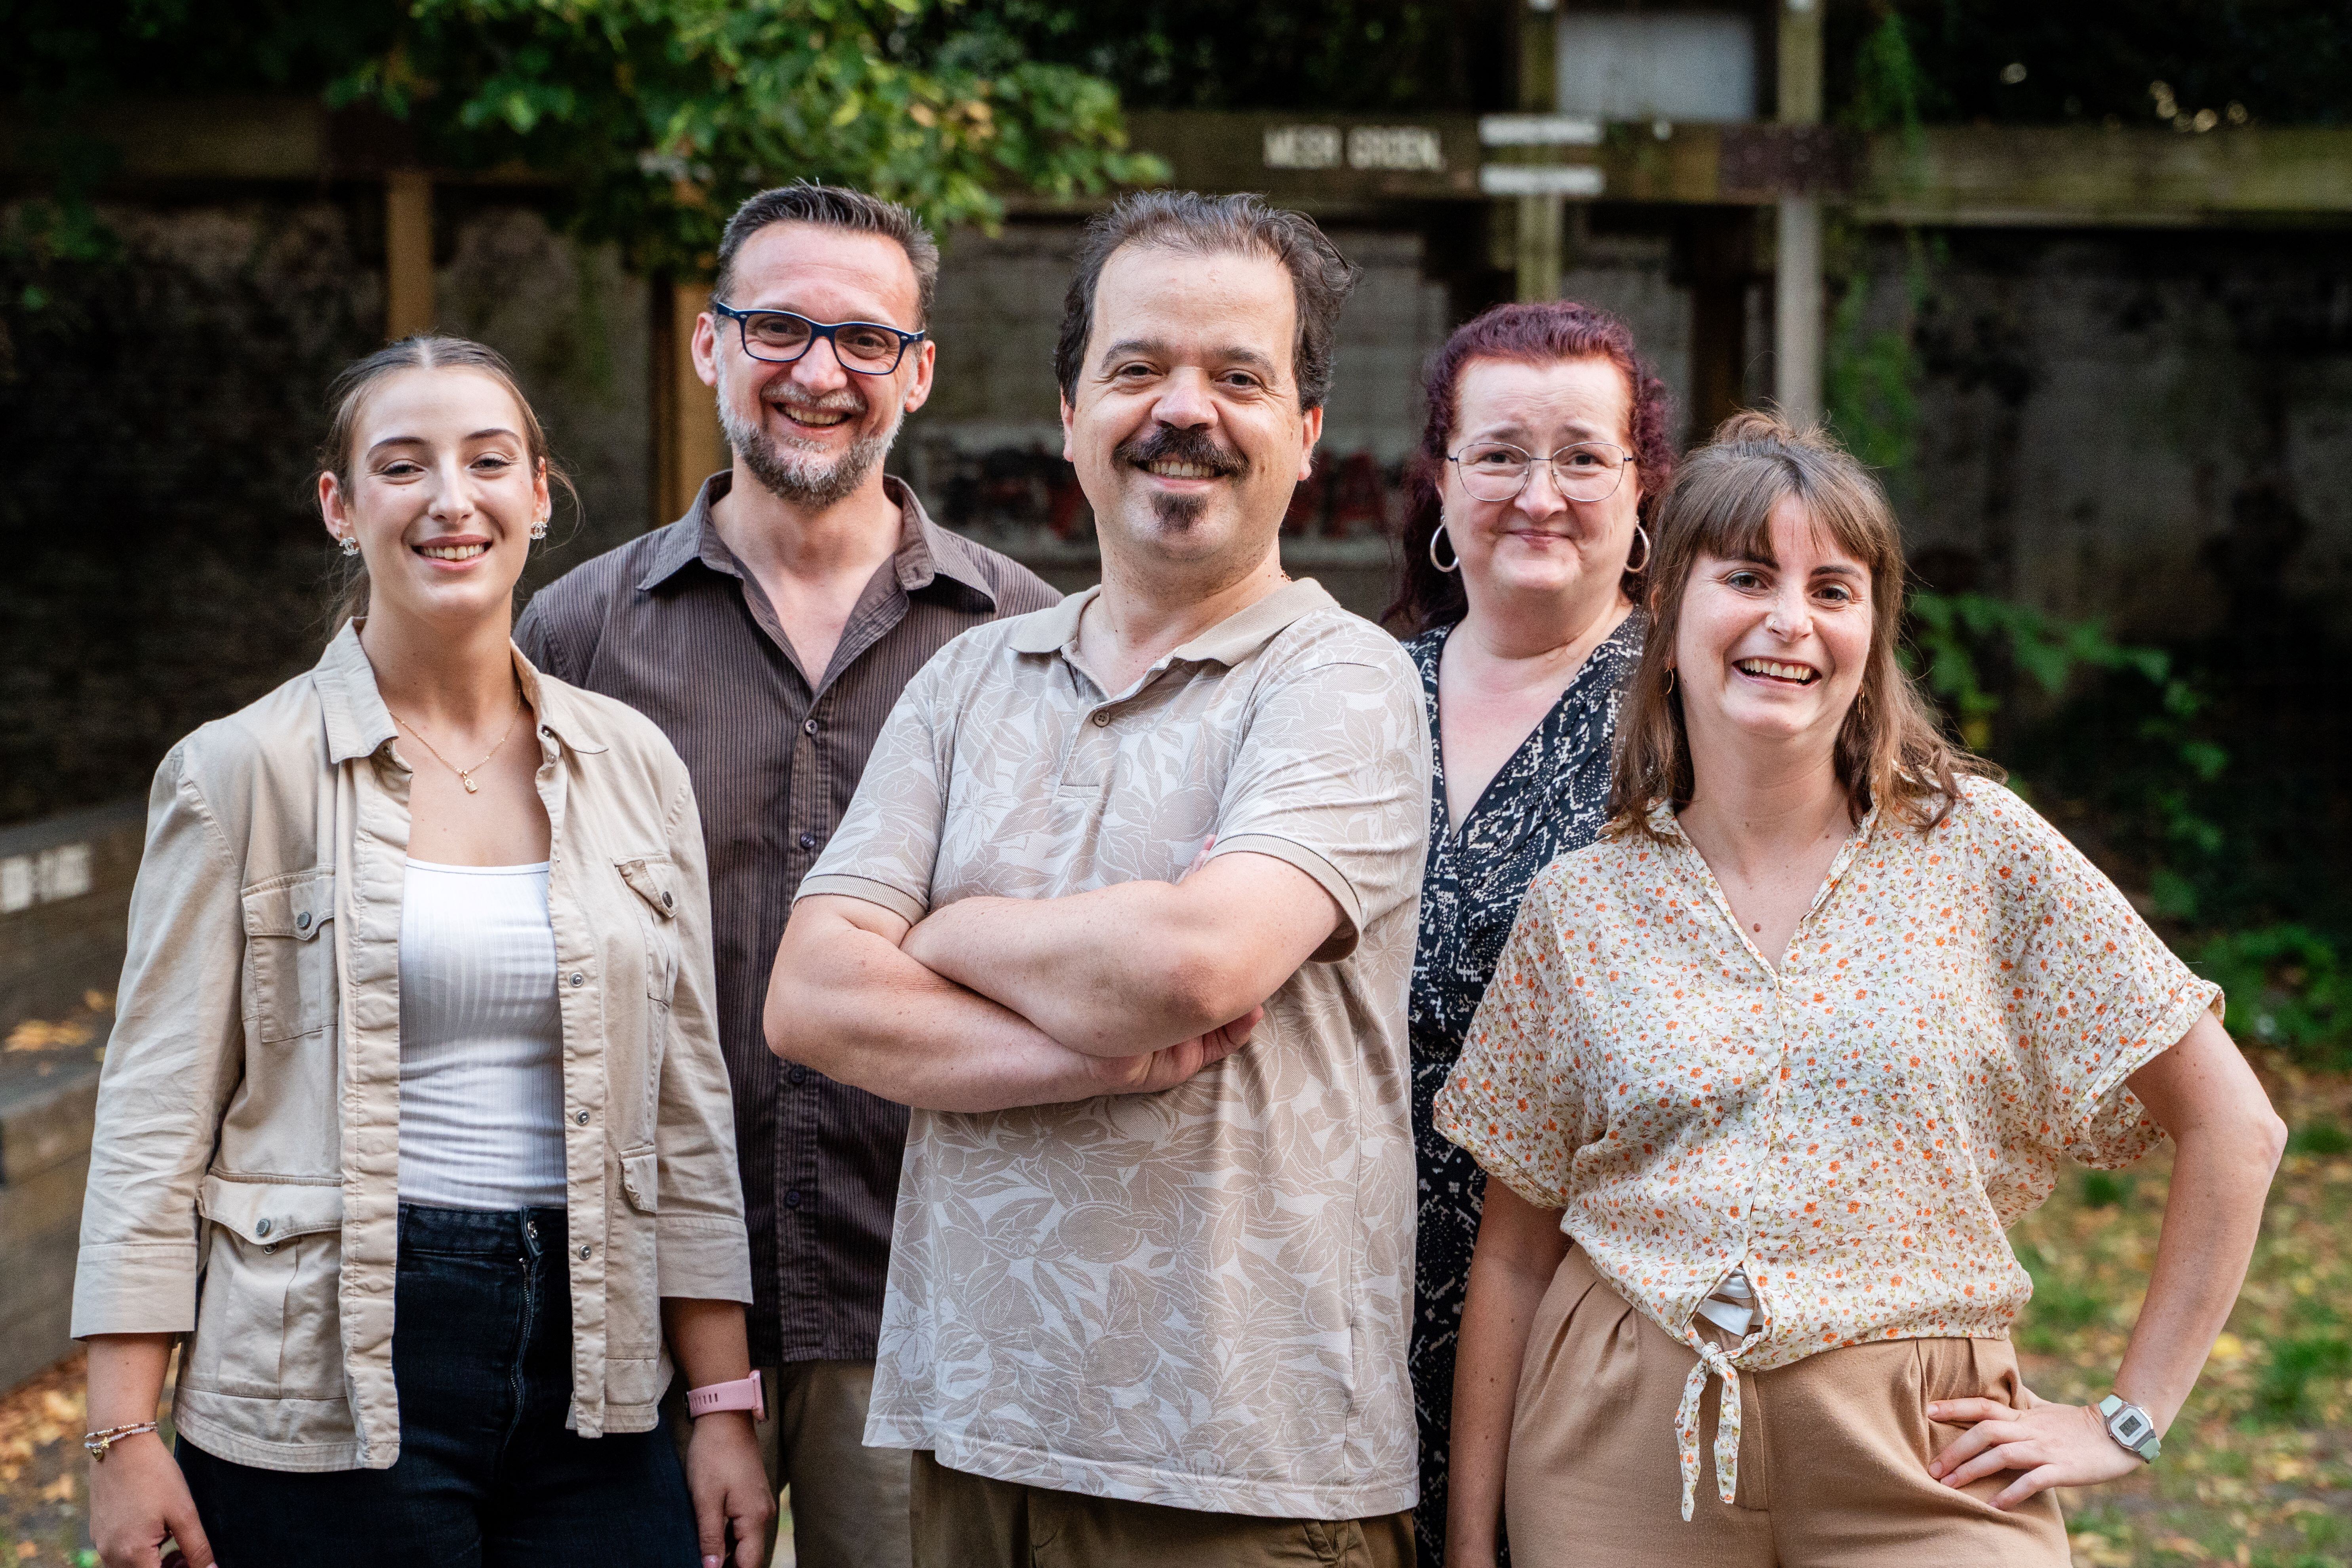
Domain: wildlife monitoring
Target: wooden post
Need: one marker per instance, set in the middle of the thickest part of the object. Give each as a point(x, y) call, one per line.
point(1538, 261)
point(407, 253)
point(1797, 292)
point(688, 445)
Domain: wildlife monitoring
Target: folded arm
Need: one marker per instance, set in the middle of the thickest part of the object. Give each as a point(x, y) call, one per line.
point(848, 1001)
point(1141, 965)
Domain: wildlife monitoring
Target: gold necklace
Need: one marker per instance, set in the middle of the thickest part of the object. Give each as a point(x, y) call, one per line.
point(465, 775)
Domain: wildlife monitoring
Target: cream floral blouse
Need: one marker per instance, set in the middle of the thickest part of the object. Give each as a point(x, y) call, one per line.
point(1855, 1128)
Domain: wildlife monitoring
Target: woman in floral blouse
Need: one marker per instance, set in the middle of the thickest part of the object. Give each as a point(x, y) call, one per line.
point(1766, 1074)
point(1518, 582)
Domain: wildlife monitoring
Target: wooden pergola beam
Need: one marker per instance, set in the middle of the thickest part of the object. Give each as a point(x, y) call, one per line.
point(1964, 175)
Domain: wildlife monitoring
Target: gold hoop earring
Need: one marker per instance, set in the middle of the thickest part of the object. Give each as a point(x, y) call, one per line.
point(1433, 561)
point(1643, 536)
point(1670, 681)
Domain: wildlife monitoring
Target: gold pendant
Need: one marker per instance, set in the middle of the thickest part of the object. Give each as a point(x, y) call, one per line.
point(468, 780)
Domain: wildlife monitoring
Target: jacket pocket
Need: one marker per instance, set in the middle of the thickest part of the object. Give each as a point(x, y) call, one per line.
point(267, 1321)
point(289, 971)
point(632, 1278)
point(654, 881)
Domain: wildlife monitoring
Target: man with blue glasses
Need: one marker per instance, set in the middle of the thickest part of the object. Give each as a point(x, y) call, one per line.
point(769, 632)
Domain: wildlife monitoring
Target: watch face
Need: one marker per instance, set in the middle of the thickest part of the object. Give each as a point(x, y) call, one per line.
point(2131, 1428)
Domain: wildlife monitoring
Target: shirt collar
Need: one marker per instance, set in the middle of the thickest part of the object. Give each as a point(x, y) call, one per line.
point(926, 550)
point(358, 723)
point(1228, 642)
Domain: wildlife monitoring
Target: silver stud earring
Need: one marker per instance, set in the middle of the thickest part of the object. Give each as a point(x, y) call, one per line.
point(351, 543)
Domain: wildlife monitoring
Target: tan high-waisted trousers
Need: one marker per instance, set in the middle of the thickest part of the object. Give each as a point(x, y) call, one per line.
point(1834, 1453)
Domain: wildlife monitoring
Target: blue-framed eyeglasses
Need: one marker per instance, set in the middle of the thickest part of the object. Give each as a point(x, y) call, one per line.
point(780, 337)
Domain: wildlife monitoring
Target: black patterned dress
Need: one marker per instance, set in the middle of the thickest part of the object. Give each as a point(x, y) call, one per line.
point(1552, 796)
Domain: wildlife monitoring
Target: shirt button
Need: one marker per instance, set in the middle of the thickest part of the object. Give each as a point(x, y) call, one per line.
point(579, 979)
point(808, 840)
point(585, 1249)
point(798, 1075)
point(1101, 719)
point(261, 1227)
point(808, 726)
point(792, 1200)
point(302, 920)
point(669, 900)
point(581, 1118)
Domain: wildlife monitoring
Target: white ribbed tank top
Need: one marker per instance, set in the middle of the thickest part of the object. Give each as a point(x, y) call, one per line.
point(481, 1039)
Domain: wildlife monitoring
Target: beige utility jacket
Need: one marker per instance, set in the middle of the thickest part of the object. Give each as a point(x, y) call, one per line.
point(244, 1179)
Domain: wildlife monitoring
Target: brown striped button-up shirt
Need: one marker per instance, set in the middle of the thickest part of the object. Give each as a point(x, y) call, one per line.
point(672, 626)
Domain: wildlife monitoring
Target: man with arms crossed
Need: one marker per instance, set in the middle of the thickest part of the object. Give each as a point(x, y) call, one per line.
point(1148, 1301)
point(767, 633)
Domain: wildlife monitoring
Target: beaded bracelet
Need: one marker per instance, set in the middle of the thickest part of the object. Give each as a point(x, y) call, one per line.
point(98, 1442)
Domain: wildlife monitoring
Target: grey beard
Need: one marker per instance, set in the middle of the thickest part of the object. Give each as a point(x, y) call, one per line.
point(799, 481)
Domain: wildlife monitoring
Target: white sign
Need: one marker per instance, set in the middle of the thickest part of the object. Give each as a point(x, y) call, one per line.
point(1395, 147)
point(44, 878)
point(1302, 147)
point(1539, 180)
point(1538, 131)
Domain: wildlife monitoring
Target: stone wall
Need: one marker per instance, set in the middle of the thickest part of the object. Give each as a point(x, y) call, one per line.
point(64, 889)
point(2155, 427)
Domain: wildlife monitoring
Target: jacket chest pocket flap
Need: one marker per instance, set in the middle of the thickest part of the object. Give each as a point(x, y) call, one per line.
point(654, 881)
point(289, 970)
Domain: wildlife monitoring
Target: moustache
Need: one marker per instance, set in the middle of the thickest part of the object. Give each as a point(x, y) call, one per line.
point(841, 400)
point(1168, 444)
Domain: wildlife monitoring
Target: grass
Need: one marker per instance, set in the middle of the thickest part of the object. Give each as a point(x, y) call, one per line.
point(2257, 1472)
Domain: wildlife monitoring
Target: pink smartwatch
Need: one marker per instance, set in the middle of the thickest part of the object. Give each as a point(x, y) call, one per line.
point(743, 1393)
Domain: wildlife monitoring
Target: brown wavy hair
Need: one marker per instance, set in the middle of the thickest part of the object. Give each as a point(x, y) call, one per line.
point(1891, 750)
point(1528, 334)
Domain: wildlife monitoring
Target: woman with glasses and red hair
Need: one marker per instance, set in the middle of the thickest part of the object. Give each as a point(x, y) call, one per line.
point(1525, 547)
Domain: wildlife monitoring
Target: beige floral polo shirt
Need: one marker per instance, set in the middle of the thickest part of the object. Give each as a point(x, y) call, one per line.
point(1197, 1298)
point(1856, 1128)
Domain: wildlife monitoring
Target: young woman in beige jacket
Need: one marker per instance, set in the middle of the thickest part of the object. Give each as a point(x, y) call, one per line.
point(413, 1131)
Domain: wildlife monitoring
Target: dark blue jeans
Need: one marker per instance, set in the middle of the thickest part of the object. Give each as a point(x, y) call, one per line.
point(488, 1476)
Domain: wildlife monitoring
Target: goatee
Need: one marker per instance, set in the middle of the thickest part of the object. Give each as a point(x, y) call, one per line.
point(791, 468)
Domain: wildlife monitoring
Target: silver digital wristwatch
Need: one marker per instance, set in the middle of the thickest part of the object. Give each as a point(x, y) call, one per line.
point(2128, 1424)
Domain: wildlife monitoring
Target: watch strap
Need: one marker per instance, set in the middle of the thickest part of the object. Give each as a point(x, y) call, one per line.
point(2129, 1426)
point(743, 1393)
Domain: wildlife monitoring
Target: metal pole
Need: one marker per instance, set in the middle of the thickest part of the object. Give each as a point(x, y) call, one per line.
point(1797, 312)
point(1797, 292)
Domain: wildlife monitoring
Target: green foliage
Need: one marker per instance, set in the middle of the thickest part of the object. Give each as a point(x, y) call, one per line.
point(2285, 1393)
point(2027, 61)
point(661, 115)
point(2062, 1305)
point(2322, 1138)
point(2286, 988)
point(2105, 1189)
point(1335, 55)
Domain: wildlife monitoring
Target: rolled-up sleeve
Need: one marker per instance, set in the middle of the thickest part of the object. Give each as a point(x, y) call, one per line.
point(175, 1058)
point(701, 1249)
